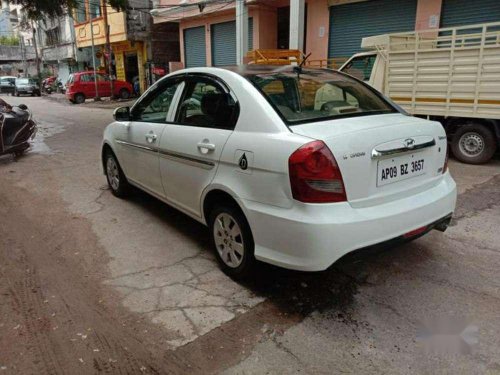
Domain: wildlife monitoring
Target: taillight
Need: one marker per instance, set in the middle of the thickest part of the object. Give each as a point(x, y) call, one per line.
point(315, 176)
point(445, 166)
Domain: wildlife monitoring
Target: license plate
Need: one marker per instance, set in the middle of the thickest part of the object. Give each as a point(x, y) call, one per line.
point(400, 168)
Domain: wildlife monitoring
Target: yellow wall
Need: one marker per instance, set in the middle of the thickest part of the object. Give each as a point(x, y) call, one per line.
point(117, 30)
point(119, 49)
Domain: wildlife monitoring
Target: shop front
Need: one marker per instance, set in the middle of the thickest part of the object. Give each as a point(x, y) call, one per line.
point(129, 62)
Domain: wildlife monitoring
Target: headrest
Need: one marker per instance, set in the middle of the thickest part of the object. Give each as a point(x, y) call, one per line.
point(212, 103)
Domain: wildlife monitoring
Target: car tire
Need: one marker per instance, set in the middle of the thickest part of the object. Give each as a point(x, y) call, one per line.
point(473, 144)
point(124, 94)
point(79, 98)
point(117, 181)
point(233, 241)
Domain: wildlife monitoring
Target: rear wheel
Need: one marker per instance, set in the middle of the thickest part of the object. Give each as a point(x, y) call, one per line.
point(233, 241)
point(124, 94)
point(79, 98)
point(473, 144)
point(116, 179)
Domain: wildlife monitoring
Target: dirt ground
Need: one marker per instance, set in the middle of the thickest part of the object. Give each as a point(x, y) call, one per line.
point(92, 284)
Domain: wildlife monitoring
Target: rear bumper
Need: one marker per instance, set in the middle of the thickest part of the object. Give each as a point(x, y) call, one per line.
point(311, 237)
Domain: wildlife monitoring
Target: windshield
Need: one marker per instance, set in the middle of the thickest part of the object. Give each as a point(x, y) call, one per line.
point(316, 95)
point(23, 81)
point(360, 67)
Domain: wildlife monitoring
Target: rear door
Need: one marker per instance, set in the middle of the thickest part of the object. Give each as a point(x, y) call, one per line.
point(191, 148)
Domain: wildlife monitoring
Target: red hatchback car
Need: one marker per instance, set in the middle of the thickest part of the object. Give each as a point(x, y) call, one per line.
point(81, 85)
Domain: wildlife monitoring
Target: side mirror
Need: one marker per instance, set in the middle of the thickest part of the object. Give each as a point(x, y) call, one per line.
point(122, 114)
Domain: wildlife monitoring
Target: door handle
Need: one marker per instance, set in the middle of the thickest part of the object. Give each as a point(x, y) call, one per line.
point(206, 146)
point(151, 138)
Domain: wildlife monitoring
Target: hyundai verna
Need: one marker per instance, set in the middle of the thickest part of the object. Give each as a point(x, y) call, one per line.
point(292, 166)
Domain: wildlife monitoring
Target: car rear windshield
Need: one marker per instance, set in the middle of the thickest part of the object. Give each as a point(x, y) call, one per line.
point(318, 95)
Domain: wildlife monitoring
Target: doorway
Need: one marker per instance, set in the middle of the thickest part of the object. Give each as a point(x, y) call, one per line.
point(283, 41)
point(131, 67)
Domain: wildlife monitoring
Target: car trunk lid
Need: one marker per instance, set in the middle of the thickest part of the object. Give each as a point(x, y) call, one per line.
point(382, 157)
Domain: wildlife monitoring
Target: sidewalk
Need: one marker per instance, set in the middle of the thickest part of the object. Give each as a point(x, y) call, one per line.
point(104, 103)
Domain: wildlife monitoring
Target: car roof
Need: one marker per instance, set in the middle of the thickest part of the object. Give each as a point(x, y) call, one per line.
point(252, 69)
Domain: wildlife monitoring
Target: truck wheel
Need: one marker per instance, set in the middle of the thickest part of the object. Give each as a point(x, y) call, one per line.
point(473, 144)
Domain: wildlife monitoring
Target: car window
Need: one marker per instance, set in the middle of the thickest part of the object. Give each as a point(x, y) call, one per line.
point(205, 104)
point(102, 78)
point(318, 95)
point(360, 67)
point(154, 107)
point(86, 78)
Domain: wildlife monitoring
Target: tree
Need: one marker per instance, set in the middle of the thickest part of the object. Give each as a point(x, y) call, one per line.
point(38, 9)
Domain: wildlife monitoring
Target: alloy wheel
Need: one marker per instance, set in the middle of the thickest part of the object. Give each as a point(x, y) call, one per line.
point(113, 173)
point(228, 240)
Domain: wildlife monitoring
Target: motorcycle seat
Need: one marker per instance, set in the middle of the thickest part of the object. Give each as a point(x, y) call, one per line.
point(12, 123)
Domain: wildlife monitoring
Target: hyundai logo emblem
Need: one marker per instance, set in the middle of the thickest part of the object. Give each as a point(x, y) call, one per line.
point(409, 142)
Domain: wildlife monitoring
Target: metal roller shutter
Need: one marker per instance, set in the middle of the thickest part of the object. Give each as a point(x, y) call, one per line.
point(224, 42)
point(349, 23)
point(467, 12)
point(195, 47)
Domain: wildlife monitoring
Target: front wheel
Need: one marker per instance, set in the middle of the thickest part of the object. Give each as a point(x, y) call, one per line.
point(233, 241)
point(116, 179)
point(473, 144)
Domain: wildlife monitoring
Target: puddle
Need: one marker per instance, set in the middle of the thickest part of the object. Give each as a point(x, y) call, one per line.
point(45, 130)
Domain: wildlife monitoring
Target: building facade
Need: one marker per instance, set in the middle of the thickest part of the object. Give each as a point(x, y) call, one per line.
point(129, 51)
point(58, 51)
point(332, 29)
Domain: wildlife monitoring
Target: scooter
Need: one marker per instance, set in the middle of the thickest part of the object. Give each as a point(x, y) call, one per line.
point(17, 128)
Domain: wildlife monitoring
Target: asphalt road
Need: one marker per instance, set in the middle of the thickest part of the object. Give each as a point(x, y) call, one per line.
point(90, 283)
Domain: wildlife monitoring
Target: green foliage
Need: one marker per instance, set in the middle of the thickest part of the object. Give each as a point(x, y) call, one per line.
point(9, 40)
point(40, 9)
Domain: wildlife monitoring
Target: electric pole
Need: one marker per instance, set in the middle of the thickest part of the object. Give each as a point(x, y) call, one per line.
point(96, 97)
point(108, 59)
point(38, 73)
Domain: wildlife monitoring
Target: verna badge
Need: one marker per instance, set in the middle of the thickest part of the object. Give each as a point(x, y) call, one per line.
point(243, 162)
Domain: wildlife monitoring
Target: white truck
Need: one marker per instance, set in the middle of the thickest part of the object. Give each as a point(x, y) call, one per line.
point(451, 75)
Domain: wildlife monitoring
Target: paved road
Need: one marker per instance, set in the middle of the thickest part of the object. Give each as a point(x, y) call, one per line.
point(90, 283)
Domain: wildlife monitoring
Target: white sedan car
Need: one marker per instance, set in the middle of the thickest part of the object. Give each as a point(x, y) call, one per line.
point(291, 166)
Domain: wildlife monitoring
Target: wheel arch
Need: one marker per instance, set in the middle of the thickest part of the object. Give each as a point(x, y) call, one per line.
point(106, 147)
point(451, 125)
point(218, 194)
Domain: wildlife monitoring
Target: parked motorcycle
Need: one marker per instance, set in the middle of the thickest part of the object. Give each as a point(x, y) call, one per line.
point(47, 85)
point(17, 128)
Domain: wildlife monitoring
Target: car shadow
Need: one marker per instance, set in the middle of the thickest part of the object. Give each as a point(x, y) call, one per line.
point(293, 292)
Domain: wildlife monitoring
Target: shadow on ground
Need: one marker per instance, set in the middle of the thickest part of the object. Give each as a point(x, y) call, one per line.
point(293, 292)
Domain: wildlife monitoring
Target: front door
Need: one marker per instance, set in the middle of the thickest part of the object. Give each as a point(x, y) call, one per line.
point(140, 137)
point(191, 148)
